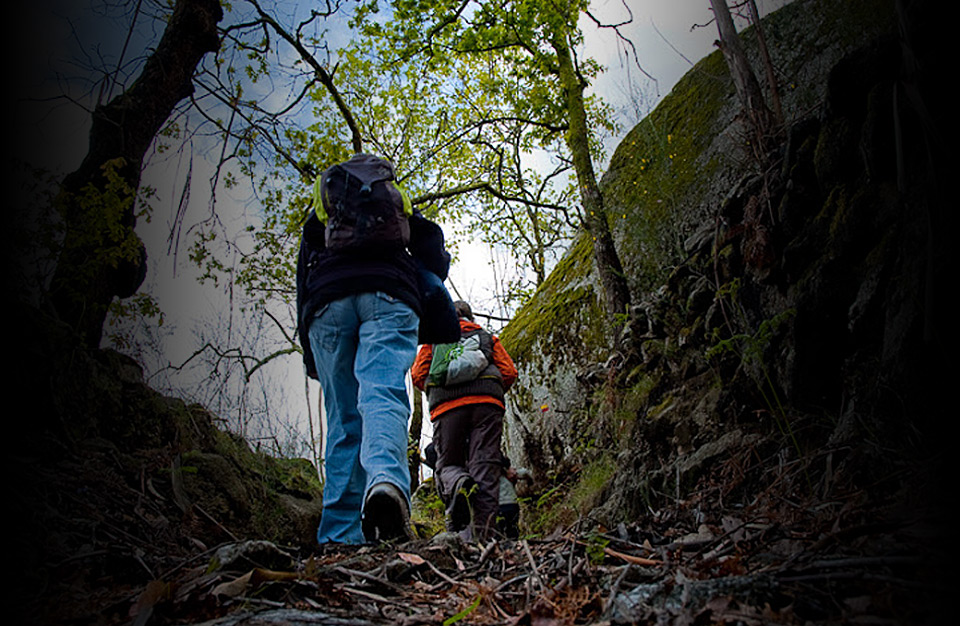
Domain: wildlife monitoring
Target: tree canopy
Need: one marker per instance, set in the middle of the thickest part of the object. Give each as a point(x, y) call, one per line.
point(467, 99)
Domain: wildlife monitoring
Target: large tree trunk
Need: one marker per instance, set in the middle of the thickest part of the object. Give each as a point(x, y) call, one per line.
point(102, 257)
point(616, 294)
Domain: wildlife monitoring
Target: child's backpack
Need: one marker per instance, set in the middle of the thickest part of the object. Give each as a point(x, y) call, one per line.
point(362, 205)
point(460, 362)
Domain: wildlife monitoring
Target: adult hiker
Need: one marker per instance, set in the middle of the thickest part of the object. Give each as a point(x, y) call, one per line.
point(465, 384)
point(359, 304)
point(508, 515)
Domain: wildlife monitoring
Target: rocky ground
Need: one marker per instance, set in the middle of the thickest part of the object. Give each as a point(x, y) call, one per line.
point(112, 547)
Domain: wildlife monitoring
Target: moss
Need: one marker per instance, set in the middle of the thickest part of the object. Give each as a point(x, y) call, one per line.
point(637, 395)
point(653, 350)
point(666, 178)
point(562, 504)
point(846, 22)
point(593, 481)
point(521, 398)
point(295, 476)
point(660, 167)
point(563, 304)
point(273, 498)
point(662, 408)
point(615, 410)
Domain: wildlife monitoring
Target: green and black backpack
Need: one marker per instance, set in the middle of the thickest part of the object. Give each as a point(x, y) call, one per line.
point(362, 205)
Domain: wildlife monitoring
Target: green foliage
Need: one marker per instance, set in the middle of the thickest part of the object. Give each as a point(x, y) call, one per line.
point(458, 101)
point(140, 306)
point(500, 108)
point(428, 513)
point(571, 496)
point(750, 348)
point(593, 480)
point(104, 229)
point(464, 613)
point(595, 549)
point(98, 239)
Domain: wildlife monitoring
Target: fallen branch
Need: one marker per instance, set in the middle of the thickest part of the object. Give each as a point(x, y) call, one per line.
point(372, 596)
point(199, 509)
point(369, 578)
point(629, 558)
point(446, 579)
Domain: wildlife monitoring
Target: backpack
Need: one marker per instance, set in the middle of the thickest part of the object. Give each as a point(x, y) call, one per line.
point(456, 363)
point(362, 205)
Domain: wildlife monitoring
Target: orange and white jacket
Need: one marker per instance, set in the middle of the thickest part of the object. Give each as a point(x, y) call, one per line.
point(452, 398)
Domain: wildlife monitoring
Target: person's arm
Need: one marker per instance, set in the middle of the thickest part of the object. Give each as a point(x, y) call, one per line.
point(312, 239)
point(421, 367)
point(427, 245)
point(508, 371)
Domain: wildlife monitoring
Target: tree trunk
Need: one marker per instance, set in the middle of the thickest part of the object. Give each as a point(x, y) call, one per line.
point(767, 63)
point(616, 294)
point(102, 257)
point(747, 86)
point(416, 428)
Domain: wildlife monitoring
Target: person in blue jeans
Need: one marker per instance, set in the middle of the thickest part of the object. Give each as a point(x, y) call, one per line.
point(363, 345)
point(359, 321)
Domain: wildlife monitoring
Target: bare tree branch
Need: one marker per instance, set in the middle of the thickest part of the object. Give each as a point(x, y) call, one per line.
point(485, 187)
point(623, 38)
point(323, 76)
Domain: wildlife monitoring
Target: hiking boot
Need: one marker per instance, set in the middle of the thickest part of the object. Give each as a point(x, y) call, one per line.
point(386, 515)
point(458, 515)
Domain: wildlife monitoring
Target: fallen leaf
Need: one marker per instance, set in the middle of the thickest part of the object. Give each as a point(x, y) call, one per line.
point(413, 559)
point(251, 580)
point(154, 593)
point(235, 587)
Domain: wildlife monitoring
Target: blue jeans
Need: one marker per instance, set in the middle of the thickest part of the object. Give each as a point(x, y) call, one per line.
point(363, 346)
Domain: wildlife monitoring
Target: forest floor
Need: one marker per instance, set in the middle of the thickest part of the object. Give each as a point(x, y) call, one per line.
point(120, 557)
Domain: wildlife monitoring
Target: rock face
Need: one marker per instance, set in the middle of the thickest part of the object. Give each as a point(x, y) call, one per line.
point(790, 306)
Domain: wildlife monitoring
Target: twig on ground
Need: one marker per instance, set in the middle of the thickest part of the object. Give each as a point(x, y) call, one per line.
point(369, 578)
point(629, 558)
point(215, 522)
point(535, 575)
point(373, 596)
point(446, 579)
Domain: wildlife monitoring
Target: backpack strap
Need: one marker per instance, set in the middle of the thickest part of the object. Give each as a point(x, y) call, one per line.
point(317, 205)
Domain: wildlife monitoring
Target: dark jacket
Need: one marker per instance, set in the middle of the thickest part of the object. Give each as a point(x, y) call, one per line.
point(324, 276)
point(413, 275)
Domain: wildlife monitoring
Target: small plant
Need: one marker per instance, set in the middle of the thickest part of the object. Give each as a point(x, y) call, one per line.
point(428, 513)
point(749, 347)
point(596, 549)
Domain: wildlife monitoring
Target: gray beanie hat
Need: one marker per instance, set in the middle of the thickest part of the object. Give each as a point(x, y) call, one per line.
point(463, 310)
